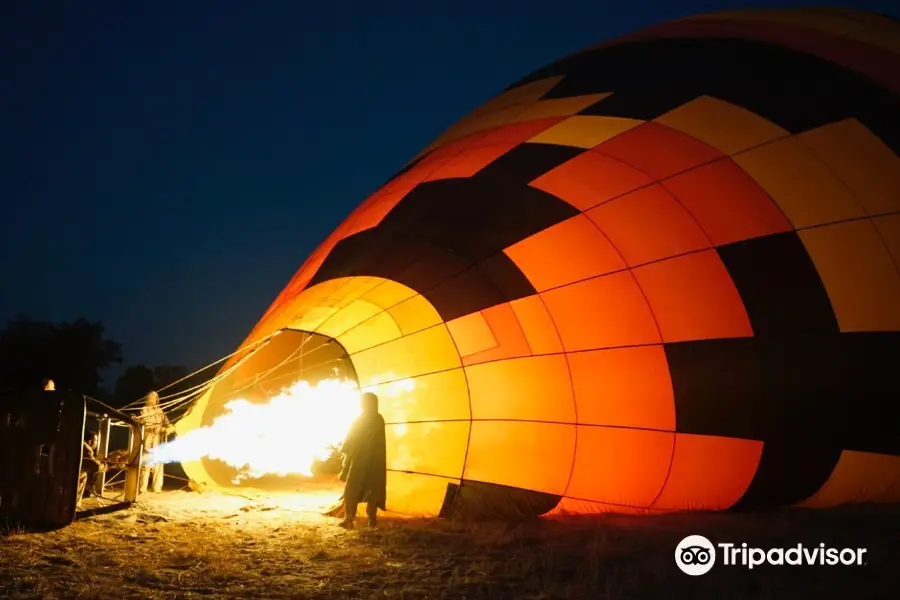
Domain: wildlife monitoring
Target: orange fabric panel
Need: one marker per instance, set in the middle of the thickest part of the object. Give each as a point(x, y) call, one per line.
point(889, 229)
point(694, 298)
point(428, 351)
point(590, 179)
point(538, 456)
point(372, 212)
point(583, 131)
point(603, 312)
point(859, 477)
point(537, 324)
point(519, 133)
point(625, 387)
point(569, 251)
point(659, 151)
point(472, 334)
point(708, 472)
point(722, 125)
point(536, 388)
point(620, 466)
point(415, 314)
point(858, 273)
point(468, 162)
point(511, 341)
point(807, 192)
point(861, 160)
point(647, 225)
point(727, 203)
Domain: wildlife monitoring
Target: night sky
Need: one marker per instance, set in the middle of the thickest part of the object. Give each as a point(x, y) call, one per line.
point(167, 166)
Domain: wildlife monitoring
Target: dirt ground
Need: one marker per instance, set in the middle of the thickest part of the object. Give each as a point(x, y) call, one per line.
point(218, 545)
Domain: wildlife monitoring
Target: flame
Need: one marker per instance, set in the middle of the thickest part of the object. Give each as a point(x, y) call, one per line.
point(284, 436)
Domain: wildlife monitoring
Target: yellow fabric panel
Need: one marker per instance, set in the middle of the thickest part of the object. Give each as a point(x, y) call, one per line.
point(569, 251)
point(433, 448)
point(388, 294)
point(415, 314)
point(355, 288)
point(708, 472)
point(624, 387)
point(531, 456)
point(440, 396)
point(413, 494)
point(866, 165)
point(533, 388)
point(377, 330)
point(538, 326)
point(192, 420)
point(584, 131)
point(721, 124)
point(803, 187)
point(312, 306)
point(859, 275)
point(312, 318)
point(348, 317)
point(427, 351)
point(472, 334)
point(574, 506)
point(620, 466)
point(527, 94)
point(859, 477)
point(558, 107)
point(889, 229)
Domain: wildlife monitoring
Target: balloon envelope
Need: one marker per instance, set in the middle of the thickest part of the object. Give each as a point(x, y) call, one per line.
point(659, 274)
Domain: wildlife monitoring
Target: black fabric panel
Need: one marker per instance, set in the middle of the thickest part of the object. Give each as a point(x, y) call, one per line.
point(835, 390)
point(884, 121)
point(442, 229)
point(794, 90)
point(506, 276)
point(466, 293)
point(527, 162)
point(779, 284)
point(637, 104)
point(473, 500)
point(788, 473)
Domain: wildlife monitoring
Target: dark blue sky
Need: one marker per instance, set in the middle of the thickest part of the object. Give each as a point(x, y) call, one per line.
point(166, 166)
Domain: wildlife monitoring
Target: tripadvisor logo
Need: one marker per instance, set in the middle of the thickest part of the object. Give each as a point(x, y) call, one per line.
point(696, 555)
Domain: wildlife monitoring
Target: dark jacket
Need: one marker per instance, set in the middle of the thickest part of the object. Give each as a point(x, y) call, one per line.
point(365, 461)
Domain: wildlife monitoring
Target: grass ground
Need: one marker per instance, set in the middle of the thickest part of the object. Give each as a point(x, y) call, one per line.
point(209, 545)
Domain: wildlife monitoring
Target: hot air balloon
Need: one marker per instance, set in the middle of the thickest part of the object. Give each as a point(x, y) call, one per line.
point(660, 274)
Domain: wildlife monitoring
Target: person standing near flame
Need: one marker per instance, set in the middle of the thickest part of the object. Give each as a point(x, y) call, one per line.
point(156, 428)
point(364, 467)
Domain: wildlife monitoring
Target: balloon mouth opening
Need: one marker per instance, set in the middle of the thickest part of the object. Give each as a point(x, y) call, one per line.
point(276, 422)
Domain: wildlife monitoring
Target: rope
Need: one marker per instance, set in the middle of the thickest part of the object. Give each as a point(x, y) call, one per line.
point(264, 340)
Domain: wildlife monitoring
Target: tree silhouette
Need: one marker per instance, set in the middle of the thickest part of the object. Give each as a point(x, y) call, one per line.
point(134, 383)
point(72, 354)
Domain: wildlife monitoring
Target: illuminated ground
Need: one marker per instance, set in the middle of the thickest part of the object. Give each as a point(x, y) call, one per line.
point(278, 546)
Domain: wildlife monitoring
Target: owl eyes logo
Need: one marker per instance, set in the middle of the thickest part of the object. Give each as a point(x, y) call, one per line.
point(695, 555)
